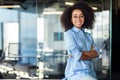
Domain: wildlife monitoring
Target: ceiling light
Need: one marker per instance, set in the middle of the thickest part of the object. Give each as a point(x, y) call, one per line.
point(55, 12)
point(94, 8)
point(69, 3)
point(9, 6)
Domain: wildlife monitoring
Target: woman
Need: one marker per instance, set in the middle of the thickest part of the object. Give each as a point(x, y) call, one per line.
point(80, 44)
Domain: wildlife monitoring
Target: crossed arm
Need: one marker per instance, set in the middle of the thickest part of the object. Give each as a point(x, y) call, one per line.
point(86, 55)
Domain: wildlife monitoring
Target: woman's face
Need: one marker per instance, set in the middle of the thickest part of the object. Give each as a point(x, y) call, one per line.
point(77, 18)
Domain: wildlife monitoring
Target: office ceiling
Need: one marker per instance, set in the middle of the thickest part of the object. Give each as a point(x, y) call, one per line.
point(42, 1)
point(47, 3)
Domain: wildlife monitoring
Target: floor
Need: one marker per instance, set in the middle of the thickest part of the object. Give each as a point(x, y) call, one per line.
point(22, 72)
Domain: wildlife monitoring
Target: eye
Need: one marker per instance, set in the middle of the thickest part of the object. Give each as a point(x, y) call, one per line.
point(74, 16)
point(82, 16)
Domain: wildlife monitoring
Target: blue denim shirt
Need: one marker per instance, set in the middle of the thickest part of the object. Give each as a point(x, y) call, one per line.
point(78, 40)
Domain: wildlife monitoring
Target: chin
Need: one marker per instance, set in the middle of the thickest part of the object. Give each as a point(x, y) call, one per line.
point(79, 27)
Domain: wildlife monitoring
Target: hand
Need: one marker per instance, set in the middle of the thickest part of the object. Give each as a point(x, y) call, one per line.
point(84, 57)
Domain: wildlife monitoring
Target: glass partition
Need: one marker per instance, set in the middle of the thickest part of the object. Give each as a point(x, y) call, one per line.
point(18, 36)
point(42, 53)
point(50, 37)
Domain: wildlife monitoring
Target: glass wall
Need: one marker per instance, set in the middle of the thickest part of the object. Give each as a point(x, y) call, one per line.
point(39, 34)
point(18, 37)
point(50, 37)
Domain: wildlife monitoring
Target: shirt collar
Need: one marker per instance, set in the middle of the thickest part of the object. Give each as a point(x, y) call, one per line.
point(77, 29)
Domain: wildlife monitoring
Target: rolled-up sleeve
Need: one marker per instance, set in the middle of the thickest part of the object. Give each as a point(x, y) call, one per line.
point(71, 45)
point(95, 46)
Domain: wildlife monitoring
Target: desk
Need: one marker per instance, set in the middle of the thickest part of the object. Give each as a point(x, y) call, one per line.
point(13, 63)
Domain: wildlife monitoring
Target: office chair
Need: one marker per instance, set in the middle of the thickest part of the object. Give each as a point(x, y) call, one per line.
point(13, 54)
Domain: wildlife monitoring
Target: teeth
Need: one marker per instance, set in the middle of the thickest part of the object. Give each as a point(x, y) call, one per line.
point(78, 23)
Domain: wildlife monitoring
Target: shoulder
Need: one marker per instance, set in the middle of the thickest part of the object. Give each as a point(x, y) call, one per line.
point(69, 32)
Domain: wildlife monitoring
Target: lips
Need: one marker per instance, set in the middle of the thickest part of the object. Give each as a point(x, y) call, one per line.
point(78, 23)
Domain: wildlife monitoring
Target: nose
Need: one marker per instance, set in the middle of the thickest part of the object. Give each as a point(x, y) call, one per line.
point(78, 18)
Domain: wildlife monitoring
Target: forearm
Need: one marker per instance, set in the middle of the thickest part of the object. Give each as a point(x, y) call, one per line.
point(86, 55)
point(92, 53)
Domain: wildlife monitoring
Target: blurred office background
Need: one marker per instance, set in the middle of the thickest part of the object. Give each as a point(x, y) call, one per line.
point(32, 41)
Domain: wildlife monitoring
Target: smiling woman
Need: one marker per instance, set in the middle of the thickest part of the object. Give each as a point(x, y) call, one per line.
point(79, 44)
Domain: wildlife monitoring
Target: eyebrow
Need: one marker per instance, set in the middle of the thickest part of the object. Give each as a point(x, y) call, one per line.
point(76, 14)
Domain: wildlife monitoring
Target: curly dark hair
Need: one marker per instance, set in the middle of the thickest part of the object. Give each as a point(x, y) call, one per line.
point(87, 12)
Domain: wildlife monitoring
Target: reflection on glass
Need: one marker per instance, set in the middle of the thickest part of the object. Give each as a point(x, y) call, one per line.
point(40, 33)
point(52, 51)
point(52, 40)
